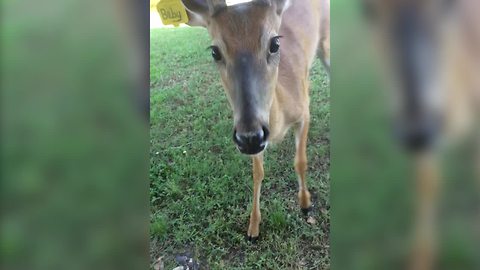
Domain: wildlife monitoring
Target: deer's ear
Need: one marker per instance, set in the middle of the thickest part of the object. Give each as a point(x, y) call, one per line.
point(197, 11)
point(282, 5)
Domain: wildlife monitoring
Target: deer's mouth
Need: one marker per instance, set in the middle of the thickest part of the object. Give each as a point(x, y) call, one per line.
point(248, 150)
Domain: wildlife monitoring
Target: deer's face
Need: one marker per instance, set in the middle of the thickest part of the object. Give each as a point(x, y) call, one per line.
point(246, 50)
point(408, 35)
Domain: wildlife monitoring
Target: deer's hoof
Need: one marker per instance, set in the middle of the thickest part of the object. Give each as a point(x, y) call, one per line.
point(307, 210)
point(252, 239)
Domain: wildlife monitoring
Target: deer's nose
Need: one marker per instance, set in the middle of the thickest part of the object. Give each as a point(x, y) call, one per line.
point(251, 143)
point(418, 140)
point(419, 137)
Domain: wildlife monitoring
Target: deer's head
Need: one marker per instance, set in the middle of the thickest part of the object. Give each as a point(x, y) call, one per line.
point(246, 49)
point(409, 35)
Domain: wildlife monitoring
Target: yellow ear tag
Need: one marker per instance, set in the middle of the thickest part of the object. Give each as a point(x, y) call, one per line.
point(172, 12)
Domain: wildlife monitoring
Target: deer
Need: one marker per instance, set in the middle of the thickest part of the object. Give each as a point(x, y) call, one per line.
point(430, 52)
point(263, 50)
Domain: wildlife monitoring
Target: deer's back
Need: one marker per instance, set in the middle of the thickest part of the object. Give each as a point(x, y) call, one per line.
point(301, 34)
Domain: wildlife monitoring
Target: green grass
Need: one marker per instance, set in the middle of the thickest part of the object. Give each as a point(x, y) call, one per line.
point(201, 186)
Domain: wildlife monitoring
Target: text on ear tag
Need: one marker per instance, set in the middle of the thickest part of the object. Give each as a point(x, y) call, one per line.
point(172, 12)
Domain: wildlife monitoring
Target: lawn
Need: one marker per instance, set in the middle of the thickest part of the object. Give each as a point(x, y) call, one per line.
point(201, 186)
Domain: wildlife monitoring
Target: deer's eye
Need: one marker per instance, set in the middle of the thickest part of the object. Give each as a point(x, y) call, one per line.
point(217, 56)
point(274, 44)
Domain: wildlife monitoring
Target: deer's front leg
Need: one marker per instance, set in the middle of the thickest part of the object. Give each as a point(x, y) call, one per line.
point(428, 179)
point(301, 165)
point(255, 216)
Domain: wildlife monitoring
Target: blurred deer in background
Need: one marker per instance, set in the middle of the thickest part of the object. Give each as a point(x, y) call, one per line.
point(432, 54)
point(264, 50)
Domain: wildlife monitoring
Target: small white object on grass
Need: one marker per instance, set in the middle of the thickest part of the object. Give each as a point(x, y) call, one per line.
point(158, 265)
point(311, 220)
